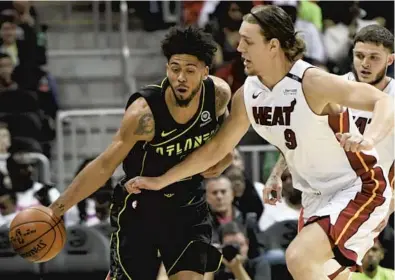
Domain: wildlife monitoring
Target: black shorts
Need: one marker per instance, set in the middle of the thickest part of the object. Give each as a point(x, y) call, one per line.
point(151, 228)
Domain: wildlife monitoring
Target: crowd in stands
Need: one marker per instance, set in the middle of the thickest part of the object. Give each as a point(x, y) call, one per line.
point(243, 225)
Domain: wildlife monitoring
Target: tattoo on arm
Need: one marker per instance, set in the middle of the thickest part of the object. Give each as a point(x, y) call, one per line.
point(222, 97)
point(145, 125)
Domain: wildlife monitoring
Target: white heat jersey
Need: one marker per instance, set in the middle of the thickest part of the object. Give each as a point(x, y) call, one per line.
point(316, 161)
point(385, 148)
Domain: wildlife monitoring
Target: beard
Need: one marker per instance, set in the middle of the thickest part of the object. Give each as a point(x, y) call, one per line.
point(185, 102)
point(379, 77)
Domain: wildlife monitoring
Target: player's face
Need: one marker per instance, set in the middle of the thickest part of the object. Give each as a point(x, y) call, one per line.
point(370, 62)
point(186, 74)
point(253, 48)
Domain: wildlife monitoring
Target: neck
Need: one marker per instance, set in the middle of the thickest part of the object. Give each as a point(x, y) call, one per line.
point(279, 68)
point(383, 83)
point(371, 274)
point(226, 214)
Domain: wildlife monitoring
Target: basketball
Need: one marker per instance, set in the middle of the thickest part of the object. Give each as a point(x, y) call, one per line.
point(36, 234)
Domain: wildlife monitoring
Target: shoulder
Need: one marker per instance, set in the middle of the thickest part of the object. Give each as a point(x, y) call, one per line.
point(318, 81)
point(139, 119)
point(223, 94)
point(239, 95)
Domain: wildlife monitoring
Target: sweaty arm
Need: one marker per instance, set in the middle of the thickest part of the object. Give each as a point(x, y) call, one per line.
point(137, 125)
point(361, 96)
point(228, 136)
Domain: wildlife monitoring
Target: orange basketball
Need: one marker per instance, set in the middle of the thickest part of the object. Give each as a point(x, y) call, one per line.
point(37, 235)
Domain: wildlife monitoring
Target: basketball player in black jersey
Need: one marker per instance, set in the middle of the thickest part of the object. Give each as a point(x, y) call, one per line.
point(163, 123)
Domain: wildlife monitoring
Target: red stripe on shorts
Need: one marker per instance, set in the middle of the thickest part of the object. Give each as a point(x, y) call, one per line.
point(366, 201)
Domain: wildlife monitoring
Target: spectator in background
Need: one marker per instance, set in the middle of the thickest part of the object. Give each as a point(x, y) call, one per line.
point(22, 51)
point(29, 191)
point(235, 262)
point(5, 139)
point(5, 143)
point(6, 73)
point(220, 196)
point(8, 207)
point(309, 11)
point(339, 34)
point(233, 73)
point(46, 102)
point(225, 24)
point(95, 209)
point(246, 198)
point(371, 265)
point(315, 50)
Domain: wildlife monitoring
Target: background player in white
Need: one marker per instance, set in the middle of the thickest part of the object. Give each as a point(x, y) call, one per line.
point(372, 55)
point(305, 119)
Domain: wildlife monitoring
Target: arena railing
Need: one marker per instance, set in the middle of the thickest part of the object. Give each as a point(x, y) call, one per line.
point(66, 126)
point(44, 172)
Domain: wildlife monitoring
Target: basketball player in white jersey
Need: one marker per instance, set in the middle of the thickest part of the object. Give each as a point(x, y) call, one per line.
point(300, 109)
point(373, 53)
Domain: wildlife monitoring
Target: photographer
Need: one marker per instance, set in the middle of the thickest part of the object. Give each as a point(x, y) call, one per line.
point(236, 264)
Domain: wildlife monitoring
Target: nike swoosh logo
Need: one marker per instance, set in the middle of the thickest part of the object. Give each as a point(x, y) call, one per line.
point(255, 95)
point(164, 134)
point(168, 195)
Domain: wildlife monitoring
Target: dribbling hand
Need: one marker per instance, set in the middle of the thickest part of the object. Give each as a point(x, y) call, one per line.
point(354, 142)
point(136, 184)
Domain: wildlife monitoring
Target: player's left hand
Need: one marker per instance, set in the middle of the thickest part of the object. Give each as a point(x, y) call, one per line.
point(354, 142)
point(135, 184)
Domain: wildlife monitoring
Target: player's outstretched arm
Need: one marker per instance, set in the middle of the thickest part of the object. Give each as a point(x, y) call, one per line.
point(333, 89)
point(229, 135)
point(137, 125)
point(223, 95)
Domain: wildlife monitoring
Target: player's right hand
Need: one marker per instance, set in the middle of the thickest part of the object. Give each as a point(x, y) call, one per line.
point(272, 190)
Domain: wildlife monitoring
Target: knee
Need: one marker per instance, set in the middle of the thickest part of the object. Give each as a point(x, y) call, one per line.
point(295, 257)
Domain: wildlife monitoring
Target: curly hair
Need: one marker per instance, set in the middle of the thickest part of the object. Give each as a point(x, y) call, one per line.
point(376, 34)
point(191, 40)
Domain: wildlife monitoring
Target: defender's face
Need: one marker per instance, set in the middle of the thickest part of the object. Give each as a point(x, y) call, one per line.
point(370, 62)
point(253, 48)
point(186, 74)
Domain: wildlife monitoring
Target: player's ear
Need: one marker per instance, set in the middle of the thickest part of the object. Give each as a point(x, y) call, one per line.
point(167, 68)
point(206, 72)
point(391, 59)
point(274, 44)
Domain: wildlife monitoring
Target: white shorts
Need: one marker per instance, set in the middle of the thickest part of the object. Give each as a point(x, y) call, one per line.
point(349, 217)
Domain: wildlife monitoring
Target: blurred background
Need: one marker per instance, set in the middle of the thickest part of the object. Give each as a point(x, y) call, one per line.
point(66, 71)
